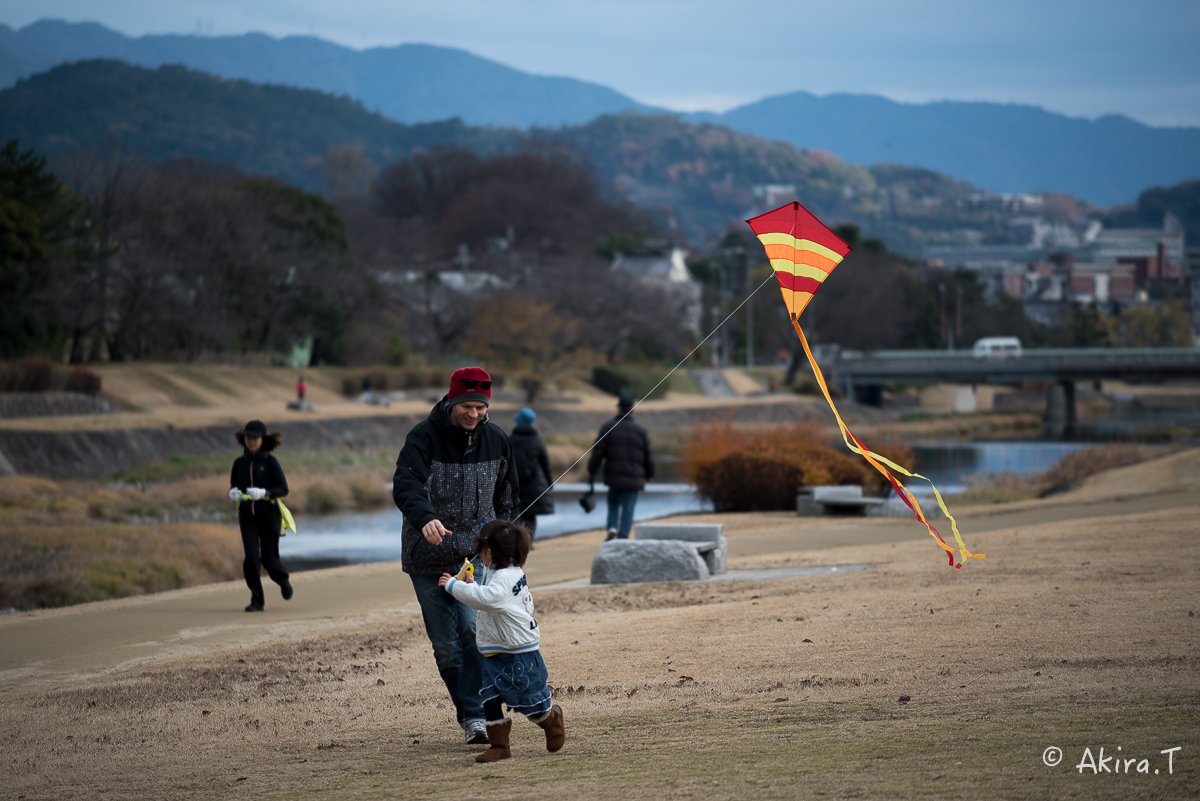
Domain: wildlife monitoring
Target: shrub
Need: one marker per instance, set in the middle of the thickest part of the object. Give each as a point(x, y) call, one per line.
point(762, 470)
point(1074, 467)
point(747, 482)
point(437, 378)
point(369, 493)
point(350, 387)
point(27, 375)
point(411, 379)
point(83, 380)
point(321, 498)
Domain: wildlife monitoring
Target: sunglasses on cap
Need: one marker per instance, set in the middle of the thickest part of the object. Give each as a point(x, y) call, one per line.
point(472, 383)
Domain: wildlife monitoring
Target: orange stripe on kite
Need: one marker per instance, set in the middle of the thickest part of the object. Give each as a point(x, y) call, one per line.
point(801, 256)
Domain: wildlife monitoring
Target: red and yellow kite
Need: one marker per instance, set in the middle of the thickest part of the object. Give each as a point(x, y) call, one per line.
point(803, 252)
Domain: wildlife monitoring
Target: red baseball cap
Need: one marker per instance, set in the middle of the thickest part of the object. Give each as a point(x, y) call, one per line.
point(470, 384)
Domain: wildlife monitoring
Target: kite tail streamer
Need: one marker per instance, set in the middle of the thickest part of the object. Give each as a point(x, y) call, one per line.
point(877, 461)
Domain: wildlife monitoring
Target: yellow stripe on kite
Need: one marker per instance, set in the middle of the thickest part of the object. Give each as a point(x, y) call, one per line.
point(788, 253)
point(804, 270)
point(776, 238)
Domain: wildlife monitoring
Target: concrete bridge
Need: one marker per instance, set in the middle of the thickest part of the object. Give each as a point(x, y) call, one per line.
point(863, 375)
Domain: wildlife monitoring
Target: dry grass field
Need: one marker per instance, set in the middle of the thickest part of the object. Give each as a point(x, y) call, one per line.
point(905, 680)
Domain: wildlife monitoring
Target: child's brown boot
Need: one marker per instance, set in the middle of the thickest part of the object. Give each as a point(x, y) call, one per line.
point(552, 724)
point(497, 741)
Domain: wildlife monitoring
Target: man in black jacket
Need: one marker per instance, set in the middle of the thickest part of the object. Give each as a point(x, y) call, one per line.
point(454, 474)
point(624, 447)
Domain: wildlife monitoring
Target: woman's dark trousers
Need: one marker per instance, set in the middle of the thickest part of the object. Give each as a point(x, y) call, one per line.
point(260, 538)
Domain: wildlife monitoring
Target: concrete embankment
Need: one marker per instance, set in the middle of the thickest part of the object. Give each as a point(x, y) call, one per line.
point(92, 454)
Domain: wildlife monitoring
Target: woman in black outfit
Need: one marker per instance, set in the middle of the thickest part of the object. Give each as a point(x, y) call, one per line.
point(257, 473)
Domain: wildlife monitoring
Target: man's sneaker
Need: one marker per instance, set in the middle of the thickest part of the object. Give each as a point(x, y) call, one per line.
point(287, 590)
point(476, 733)
point(612, 535)
point(254, 607)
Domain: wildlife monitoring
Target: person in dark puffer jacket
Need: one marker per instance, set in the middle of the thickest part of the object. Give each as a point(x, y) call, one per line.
point(533, 471)
point(257, 473)
point(455, 473)
point(624, 448)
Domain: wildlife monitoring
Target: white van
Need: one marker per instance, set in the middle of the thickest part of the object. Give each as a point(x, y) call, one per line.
point(997, 347)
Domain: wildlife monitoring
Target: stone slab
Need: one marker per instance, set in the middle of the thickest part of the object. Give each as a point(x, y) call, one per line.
point(706, 533)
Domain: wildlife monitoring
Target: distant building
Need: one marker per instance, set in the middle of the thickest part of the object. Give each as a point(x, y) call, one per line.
point(1156, 254)
point(666, 267)
point(1049, 265)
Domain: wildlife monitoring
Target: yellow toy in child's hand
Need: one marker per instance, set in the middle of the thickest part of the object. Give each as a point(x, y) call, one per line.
point(467, 569)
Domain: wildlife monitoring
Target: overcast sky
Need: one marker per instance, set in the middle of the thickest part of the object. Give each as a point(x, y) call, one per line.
point(1079, 57)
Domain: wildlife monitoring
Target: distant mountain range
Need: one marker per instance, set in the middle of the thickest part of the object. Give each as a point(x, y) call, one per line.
point(703, 176)
point(1003, 148)
point(175, 112)
point(408, 83)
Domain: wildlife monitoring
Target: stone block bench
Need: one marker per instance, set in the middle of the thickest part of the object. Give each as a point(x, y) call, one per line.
point(843, 500)
point(662, 552)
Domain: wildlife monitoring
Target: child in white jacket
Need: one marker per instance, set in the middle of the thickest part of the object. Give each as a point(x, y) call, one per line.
point(508, 638)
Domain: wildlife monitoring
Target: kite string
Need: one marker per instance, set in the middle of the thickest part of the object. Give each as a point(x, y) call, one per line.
point(647, 395)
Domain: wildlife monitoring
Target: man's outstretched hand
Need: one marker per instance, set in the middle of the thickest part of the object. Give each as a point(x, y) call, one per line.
point(434, 531)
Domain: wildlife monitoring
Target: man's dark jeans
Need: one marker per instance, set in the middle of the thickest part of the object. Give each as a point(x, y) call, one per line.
point(621, 504)
point(450, 626)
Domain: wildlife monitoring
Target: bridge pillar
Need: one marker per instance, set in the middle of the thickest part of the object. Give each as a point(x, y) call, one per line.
point(1060, 410)
point(869, 394)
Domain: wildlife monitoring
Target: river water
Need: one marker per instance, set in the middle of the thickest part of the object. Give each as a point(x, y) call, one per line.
point(344, 539)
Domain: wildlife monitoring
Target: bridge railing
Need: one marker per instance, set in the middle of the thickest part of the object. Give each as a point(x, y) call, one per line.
point(1157, 354)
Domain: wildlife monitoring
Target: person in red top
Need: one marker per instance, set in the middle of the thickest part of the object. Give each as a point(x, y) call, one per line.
point(301, 388)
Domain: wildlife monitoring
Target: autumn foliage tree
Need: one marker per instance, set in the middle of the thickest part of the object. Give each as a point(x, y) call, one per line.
point(525, 335)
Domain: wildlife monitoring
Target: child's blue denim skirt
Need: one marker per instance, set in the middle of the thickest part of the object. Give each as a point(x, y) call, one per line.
point(519, 680)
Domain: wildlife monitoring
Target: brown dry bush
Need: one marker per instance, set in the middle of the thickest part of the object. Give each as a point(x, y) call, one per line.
point(762, 470)
point(320, 497)
point(1074, 467)
point(316, 495)
point(369, 493)
point(1067, 473)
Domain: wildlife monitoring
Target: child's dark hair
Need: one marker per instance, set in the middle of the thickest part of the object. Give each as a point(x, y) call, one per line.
point(508, 542)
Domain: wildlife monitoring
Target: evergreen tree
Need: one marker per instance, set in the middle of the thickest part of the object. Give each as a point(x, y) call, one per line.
point(38, 219)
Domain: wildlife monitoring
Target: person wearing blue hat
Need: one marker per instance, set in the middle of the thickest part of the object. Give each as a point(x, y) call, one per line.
point(533, 470)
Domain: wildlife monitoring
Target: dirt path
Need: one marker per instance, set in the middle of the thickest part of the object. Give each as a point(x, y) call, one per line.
point(64, 647)
point(905, 680)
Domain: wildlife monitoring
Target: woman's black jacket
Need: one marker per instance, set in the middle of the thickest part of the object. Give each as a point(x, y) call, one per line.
point(462, 478)
point(533, 471)
point(258, 469)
